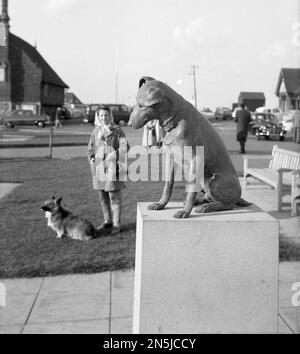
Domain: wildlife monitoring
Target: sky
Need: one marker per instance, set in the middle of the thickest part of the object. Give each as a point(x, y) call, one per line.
point(237, 45)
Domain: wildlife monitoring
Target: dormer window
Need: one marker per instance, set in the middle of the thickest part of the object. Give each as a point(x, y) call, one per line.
point(3, 72)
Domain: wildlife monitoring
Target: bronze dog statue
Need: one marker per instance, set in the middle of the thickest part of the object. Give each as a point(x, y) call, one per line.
point(185, 126)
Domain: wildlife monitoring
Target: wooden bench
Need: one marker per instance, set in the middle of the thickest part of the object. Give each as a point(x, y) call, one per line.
point(283, 170)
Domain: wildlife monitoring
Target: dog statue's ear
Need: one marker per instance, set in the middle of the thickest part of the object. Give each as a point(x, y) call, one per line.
point(59, 200)
point(144, 79)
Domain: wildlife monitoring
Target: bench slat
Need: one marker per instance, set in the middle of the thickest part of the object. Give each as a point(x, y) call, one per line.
point(296, 165)
point(269, 176)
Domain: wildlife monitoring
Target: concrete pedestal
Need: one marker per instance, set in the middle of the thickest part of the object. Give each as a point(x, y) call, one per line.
point(211, 273)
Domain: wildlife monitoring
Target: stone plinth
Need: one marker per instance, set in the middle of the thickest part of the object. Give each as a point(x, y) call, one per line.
point(211, 273)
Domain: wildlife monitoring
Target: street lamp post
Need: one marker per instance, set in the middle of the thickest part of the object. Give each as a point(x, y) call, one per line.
point(194, 67)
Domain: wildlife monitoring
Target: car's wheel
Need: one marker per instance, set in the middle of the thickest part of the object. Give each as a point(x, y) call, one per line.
point(267, 137)
point(122, 123)
point(281, 138)
point(41, 124)
point(9, 125)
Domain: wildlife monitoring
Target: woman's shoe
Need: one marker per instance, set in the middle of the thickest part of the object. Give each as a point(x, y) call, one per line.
point(105, 226)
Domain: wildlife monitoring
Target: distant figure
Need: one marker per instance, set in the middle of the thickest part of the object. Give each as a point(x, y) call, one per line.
point(296, 126)
point(160, 133)
point(242, 118)
point(58, 116)
point(149, 135)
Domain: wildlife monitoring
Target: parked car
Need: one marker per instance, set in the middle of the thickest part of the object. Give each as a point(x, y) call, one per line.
point(223, 113)
point(276, 111)
point(24, 117)
point(75, 111)
point(267, 126)
point(120, 113)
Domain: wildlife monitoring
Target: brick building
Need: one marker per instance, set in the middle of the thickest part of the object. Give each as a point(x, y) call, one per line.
point(252, 100)
point(26, 79)
point(72, 99)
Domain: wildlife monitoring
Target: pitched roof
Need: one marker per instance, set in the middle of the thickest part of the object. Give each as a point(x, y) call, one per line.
point(48, 74)
point(291, 79)
point(72, 98)
point(252, 95)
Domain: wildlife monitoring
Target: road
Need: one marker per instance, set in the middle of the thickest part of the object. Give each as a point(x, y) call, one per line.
point(226, 130)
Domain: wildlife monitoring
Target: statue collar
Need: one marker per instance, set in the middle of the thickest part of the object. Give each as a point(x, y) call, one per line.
point(170, 123)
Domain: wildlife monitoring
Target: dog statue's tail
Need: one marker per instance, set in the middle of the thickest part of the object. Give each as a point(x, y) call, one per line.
point(243, 203)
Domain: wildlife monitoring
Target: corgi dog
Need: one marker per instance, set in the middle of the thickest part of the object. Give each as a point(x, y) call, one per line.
point(65, 223)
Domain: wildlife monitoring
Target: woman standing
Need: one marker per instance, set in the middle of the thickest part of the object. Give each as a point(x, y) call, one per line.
point(106, 142)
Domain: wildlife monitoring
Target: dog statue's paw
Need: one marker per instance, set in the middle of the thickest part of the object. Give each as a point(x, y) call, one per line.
point(182, 214)
point(155, 206)
point(204, 208)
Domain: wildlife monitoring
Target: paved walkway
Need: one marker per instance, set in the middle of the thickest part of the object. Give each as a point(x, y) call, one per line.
point(6, 188)
point(103, 303)
point(96, 303)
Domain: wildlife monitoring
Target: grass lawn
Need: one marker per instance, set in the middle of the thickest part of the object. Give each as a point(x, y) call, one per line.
point(28, 248)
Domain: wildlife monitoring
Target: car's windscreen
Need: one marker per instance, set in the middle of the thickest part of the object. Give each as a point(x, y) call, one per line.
point(266, 118)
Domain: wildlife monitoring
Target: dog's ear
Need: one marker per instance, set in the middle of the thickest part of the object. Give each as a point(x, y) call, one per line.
point(59, 200)
point(154, 96)
point(144, 79)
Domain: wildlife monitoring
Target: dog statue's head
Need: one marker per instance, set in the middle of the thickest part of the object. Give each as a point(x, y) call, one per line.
point(155, 100)
point(51, 205)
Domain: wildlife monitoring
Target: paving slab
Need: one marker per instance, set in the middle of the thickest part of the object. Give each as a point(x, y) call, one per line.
point(22, 286)
point(291, 316)
point(81, 283)
point(73, 298)
point(70, 306)
point(122, 294)
point(74, 327)
point(17, 309)
point(121, 325)
point(285, 293)
point(11, 329)
point(283, 328)
point(289, 271)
